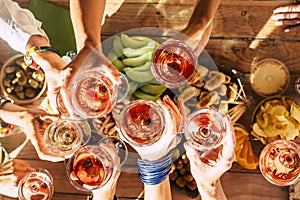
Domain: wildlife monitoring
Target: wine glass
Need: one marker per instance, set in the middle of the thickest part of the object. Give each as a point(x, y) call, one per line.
point(90, 167)
point(119, 146)
point(174, 64)
point(123, 87)
point(279, 162)
point(205, 129)
point(64, 136)
point(141, 122)
point(36, 185)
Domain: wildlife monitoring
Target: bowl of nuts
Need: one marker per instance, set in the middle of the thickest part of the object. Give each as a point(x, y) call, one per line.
point(22, 83)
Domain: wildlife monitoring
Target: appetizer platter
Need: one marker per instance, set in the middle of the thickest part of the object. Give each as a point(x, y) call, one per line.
point(212, 86)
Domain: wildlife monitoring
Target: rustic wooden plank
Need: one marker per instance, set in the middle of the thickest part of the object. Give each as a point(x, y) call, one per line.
point(251, 186)
point(249, 16)
point(238, 54)
point(240, 19)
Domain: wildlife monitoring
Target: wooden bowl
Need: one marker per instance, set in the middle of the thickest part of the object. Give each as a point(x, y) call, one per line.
point(26, 89)
point(270, 118)
point(269, 77)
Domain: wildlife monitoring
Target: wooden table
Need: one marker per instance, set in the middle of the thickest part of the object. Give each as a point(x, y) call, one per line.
point(242, 32)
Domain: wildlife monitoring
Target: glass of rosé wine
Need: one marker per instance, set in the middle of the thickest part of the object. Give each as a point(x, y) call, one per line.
point(94, 95)
point(141, 122)
point(279, 162)
point(174, 64)
point(90, 167)
point(36, 185)
point(205, 129)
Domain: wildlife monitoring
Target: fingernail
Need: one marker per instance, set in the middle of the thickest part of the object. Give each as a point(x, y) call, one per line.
point(274, 17)
point(186, 146)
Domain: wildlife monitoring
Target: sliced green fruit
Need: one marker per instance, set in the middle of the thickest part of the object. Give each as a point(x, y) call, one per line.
point(132, 43)
point(153, 89)
point(141, 95)
point(138, 76)
point(137, 61)
point(130, 52)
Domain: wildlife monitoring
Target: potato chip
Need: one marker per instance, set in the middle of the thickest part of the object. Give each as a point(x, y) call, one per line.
point(291, 131)
point(280, 118)
point(295, 112)
point(256, 128)
point(278, 110)
point(262, 119)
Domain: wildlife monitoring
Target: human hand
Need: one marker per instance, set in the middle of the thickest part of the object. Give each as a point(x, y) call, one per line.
point(195, 38)
point(34, 126)
point(86, 59)
point(288, 17)
point(11, 173)
point(208, 169)
point(171, 135)
point(108, 190)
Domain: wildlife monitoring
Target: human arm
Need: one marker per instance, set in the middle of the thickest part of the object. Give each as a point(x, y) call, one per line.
point(33, 121)
point(108, 191)
point(287, 17)
point(156, 159)
point(159, 191)
point(11, 173)
point(199, 26)
point(207, 169)
point(18, 25)
point(86, 19)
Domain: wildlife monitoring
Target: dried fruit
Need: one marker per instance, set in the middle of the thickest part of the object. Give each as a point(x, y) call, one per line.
point(243, 149)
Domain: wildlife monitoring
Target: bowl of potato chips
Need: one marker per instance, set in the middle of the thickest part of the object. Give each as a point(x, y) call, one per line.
point(276, 117)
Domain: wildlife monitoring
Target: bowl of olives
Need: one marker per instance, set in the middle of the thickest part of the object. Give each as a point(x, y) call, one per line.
point(22, 83)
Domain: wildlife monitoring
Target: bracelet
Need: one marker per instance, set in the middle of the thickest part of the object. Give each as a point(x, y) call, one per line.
point(155, 172)
point(33, 51)
point(4, 101)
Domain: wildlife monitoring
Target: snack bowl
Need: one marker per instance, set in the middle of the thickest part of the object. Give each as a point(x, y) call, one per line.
point(4, 157)
point(21, 83)
point(274, 118)
point(269, 77)
point(6, 129)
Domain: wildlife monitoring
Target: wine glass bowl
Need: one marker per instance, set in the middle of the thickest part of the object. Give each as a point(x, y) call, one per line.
point(93, 94)
point(141, 122)
point(174, 64)
point(119, 146)
point(123, 87)
point(63, 137)
point(90, 168)
point(205, 129)
point(279, 162)
point(36, 185)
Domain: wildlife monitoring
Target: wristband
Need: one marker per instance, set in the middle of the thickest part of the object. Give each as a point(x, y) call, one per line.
point(33, 51)
point(4, 101)
point(155, 172)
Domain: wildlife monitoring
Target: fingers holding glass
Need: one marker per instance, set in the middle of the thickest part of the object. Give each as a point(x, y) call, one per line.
point(91, 167)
